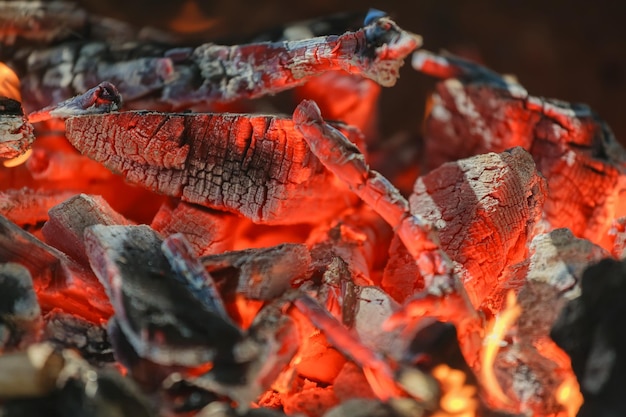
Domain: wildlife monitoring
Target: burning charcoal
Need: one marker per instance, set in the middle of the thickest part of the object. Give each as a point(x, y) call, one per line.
point(341, 156)
point(463, 199)
point(209, 232)
point(261, 274)
point(69, 220)
point(257, 166)
point(189, 271)
point(67, 331)
point(28, 206)
point(270, 345)
point(59, 281)
point(358, 237)
point(589, 329)
point(39, 21)
point(103, 98)
point(161, 318)
point(20, 315)
point(16, 133)
point(378, 372)
point(481, 111)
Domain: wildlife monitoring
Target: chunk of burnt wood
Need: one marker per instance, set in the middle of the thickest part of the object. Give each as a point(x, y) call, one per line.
point(260, 274)
point(27, 206)
point(58, 280)
point(20, 315)
point(475, 110)
point(68, 331)
point(209, 232)
point(486, 209)
point(589, 329)
point(68, 221)
point(16, 133)
point(162, 320)
point(257, 166)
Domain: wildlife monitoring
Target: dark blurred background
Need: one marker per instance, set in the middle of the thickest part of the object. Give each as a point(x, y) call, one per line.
point(573, 50)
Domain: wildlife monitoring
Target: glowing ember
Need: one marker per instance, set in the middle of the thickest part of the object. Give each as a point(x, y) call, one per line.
point(18, 160)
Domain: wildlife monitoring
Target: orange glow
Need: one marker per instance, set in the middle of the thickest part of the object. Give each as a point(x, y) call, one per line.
point(569, 396)
point(491, 345)
point(244, 310)
point(18, 160)
point(9, 83)
point(458, 399)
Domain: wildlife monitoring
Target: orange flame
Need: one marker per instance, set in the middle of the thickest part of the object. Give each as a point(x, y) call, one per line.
point(495, 334)
point(9, 83)
point(569, 396)
point(458, 399)
point(18, 160)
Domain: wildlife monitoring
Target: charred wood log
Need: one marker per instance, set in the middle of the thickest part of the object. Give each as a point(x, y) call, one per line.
point(257, 166)
point(475, 110)
point(182, 77)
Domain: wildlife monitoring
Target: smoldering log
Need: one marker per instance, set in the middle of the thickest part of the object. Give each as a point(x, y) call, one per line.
point(257, 166)
point(478, 111)
point(59, 281)
point(16, 133)
point(158, 315)
point(485, 208)
point(178, 78)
